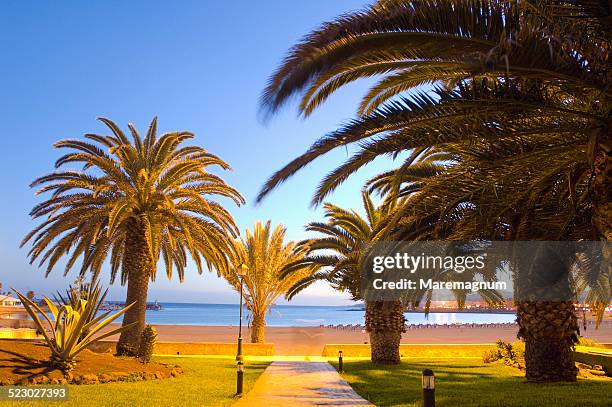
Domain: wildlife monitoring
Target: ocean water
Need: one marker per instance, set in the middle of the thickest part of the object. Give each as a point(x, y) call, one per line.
point(291, 315)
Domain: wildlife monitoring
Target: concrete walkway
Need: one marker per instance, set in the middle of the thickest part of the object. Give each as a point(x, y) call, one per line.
point(301, 384)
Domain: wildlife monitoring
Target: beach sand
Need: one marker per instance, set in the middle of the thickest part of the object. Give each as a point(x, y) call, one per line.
point(310, 340)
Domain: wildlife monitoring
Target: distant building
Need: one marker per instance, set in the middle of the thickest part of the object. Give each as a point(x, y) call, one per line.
point(6, 301)
point(507, 305)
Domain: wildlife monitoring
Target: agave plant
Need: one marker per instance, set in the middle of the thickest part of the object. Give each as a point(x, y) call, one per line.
point(65, 339)
point(82, 291)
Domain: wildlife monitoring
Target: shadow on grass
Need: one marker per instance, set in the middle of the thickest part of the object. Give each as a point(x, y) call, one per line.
point(22, 365)
point(461, 383)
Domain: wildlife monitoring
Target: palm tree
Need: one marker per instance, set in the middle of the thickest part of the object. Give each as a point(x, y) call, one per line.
point(548, 61)
point(268, 258)
point(340, 251)
point(456, 204)
point(530, 73)
point(133, 203)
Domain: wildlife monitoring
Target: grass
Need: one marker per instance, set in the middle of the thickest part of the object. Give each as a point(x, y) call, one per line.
point(468, 383)
point(206, 382)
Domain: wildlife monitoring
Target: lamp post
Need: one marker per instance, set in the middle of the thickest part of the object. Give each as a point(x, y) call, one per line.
point(340, 367)
point(429, 389)
point(242, 272)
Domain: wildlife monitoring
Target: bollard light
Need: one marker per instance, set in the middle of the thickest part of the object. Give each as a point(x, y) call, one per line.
point(340, 367)
point(239, 378)
point(429, 391)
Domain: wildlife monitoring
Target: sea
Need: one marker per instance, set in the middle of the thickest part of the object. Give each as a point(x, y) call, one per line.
point(295, 315)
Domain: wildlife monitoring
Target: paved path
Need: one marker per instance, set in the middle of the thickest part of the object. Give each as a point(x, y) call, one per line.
point(301, 384)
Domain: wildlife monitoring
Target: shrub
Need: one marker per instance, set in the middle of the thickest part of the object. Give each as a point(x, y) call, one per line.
point(518, 348)
point(509, 352)
point(490, 356)
point(147, 344)
point(505, 350)
point(65, 339)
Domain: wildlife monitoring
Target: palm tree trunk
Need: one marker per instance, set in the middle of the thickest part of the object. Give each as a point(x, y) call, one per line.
point(602, 193)
point(549, 329)
point(258, 329)
point(138, 266)
point(385, 322)
point(545, 312)
point(602, 184)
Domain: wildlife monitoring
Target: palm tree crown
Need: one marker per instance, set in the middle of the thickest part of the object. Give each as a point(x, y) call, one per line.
point(532, 73)
point(268, 258)
point(133, 202)
point(152, 182)
point(341, 244)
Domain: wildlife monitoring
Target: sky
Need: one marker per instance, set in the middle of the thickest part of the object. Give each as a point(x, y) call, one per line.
point(199, 66)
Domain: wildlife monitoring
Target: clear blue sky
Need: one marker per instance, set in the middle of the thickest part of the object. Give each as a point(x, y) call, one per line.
point(199, 66)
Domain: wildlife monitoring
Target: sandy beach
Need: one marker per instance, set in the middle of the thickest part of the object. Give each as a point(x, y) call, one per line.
point(310, 340)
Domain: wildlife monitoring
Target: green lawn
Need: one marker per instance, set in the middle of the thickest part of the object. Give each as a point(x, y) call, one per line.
point(206, 382)
point(467, 383)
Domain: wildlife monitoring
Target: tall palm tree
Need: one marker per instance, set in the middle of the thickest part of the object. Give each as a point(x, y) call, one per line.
point(544, 58)
point(533, 73)
point(549, 61)
point(268, 258)
point(134, 202)
point(340, 251)
point(456, 204)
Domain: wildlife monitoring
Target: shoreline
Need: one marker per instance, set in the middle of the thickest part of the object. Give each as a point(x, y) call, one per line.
point(299, 341)
point(311, 340)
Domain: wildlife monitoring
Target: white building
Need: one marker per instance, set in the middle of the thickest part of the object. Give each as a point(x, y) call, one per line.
point(6, 301)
